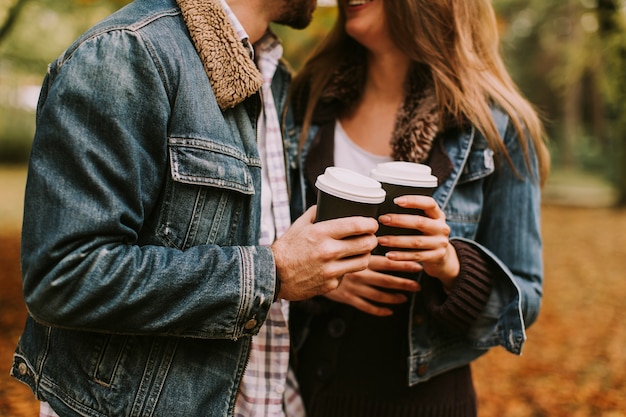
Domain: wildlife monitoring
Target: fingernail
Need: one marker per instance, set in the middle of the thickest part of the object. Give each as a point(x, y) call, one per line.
point(384, 219)
point(400, 200)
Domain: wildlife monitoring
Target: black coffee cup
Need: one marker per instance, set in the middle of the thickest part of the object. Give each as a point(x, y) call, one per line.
point(343, 193)
point(399, 178)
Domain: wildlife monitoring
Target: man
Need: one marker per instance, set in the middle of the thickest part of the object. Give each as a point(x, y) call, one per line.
point(147, 266)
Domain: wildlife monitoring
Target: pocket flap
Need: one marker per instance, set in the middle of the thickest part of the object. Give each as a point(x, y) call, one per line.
point(480, 163)
point(201, 162)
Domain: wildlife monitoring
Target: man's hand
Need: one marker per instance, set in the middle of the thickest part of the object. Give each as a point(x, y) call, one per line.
point(312, 258)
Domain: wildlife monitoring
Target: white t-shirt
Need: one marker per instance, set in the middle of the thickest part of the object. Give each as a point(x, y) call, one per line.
point(348, 154)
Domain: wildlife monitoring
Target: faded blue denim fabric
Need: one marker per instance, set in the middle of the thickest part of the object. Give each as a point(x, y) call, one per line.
point(142, 274)
point(497, 211)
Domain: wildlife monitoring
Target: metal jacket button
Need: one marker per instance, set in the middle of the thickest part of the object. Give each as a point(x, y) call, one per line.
point(22, 368)
point(250, 324)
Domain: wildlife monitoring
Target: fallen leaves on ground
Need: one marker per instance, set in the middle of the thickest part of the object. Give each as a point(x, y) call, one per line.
point(573, 363)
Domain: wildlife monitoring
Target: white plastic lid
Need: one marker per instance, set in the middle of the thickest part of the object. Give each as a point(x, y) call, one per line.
point(404, 173)
point(349, 185)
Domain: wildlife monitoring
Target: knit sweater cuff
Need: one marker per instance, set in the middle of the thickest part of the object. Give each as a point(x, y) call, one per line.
point(457, 309)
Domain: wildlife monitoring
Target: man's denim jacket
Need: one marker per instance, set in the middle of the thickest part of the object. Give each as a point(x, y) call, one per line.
point(142, 274)
point(497, 211)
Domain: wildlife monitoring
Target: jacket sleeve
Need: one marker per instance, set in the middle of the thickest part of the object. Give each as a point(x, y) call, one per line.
point(97, 168)
point(509, 233)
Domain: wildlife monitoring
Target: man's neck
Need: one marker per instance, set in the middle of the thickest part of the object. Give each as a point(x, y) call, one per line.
point(252, 17)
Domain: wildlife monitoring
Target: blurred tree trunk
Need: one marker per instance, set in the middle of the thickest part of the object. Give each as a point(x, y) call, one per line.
point(612, 32)
point(572, 104)
point(12, 15)
point(571, 124)
point(598, 113)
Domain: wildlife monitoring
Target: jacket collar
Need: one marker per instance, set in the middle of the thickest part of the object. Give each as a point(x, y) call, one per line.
point(231, 71)
point(417, 123)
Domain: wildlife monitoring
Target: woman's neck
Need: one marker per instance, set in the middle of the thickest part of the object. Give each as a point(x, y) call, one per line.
point(371, 122)
point(386, 76)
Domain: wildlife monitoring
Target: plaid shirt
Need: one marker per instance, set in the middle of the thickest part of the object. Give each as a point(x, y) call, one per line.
point(269, 387)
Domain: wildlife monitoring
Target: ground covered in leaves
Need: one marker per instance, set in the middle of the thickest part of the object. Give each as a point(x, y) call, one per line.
point(573, 364)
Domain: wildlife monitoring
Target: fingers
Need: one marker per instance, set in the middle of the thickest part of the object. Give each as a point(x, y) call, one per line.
point(429, 245)
point(432, 231)
point(355, 245)
point(360, 304)
point(369, 284)
point(383, 263)
point(339, 268)
point(356, 290)
point(348, 226)
point(425, 225)
point(415, 248)
point(308, 216)
point(425, 203)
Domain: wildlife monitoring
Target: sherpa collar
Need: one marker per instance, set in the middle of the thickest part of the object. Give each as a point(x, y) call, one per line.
point(232, 73)
point(417, 122)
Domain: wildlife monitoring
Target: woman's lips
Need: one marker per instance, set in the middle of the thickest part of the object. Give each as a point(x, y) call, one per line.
point(358, 2)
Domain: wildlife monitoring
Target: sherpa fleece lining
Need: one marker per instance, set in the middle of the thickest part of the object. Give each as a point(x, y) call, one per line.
point(232, 73)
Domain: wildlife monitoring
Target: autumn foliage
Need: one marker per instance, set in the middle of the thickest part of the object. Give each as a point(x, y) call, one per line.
point(573, 364)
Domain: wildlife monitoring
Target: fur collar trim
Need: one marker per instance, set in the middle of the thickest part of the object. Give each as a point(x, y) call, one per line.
point(417, 125)
point(417, 122)
point(233, 75)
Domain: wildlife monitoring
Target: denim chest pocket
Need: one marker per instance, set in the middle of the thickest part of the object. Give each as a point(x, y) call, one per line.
point(207, 193)
point(464, 208)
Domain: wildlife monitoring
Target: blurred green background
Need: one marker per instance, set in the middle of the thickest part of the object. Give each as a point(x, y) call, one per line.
point(567, 56)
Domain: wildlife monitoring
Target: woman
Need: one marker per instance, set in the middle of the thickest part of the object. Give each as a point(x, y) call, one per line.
point(421, 81)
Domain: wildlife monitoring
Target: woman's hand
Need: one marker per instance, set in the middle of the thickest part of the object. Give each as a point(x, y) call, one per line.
point(432, 248)
point(360, 289)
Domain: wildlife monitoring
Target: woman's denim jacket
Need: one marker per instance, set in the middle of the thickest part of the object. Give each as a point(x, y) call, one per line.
point(142, 274)
point(496, 210)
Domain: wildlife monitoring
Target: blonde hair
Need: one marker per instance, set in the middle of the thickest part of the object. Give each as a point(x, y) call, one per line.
point(458, 42)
